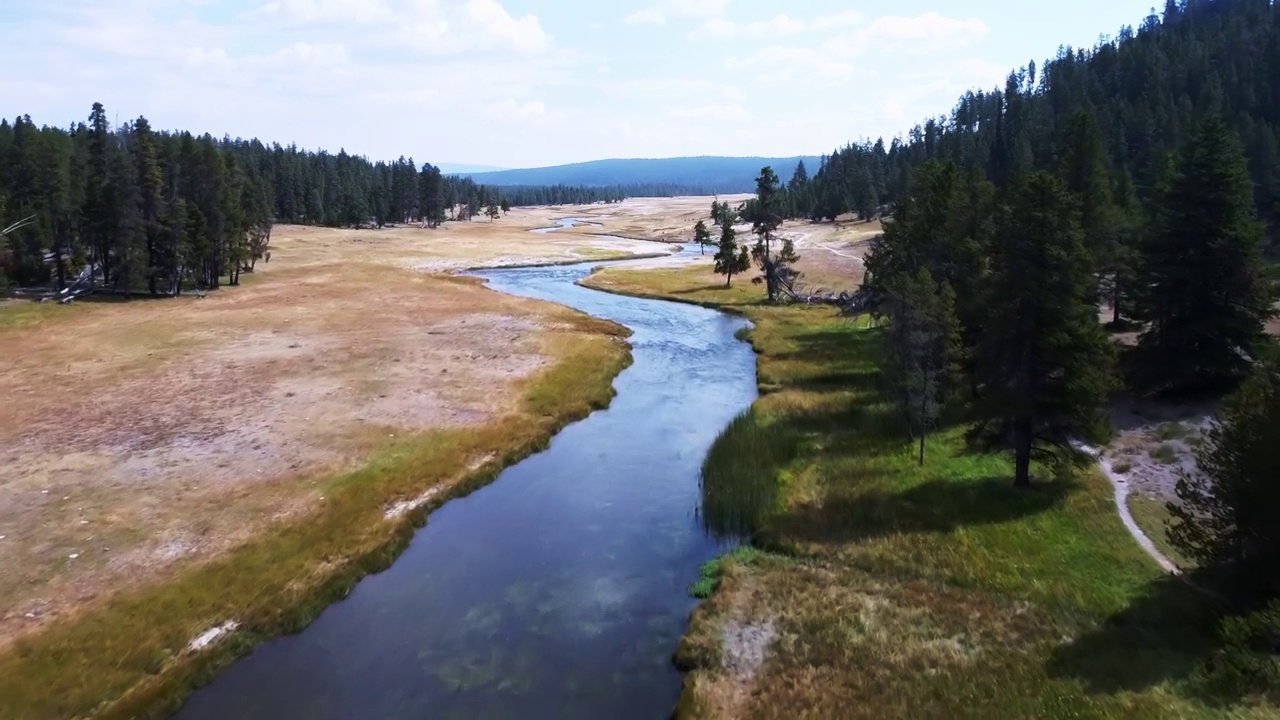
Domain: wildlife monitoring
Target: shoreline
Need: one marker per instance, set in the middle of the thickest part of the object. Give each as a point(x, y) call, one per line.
point(183, 650)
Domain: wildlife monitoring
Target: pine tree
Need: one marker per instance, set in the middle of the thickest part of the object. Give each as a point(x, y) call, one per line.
point(702, 236)
point(766, 214)
point(1227, 509)
point(1084, 170)
point(126, 235)
point(1203, 291)
point(96, 221)
point(493, 211)
point(800, 192)
point(1044, 362)
point(150, 206)
point(730, 259)
point(924, 348)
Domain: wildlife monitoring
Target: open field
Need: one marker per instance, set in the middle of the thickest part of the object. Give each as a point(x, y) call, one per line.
point(141, 434)
point(204, 448)
point(893, 590)
point(830, 252)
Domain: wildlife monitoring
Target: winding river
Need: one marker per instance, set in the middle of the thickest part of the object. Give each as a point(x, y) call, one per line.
point(559, 590)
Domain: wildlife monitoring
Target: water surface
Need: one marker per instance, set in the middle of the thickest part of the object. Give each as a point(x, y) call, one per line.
point(559, 590)
point(563, 223)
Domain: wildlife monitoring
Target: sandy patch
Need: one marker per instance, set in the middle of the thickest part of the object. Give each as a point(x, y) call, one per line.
point(213, 635)
point(743, 647)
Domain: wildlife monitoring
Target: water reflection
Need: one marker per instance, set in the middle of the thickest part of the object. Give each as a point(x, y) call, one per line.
point(560, 590)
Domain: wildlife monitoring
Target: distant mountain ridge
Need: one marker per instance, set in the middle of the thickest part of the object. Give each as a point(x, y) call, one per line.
point(467, 168)
point(711, 174)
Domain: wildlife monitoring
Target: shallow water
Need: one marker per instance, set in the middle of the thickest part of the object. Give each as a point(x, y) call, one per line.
point(559, 590)
point(563, 223)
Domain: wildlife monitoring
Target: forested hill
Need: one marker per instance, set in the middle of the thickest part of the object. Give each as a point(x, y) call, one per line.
point(153, 211)
point(1143, 89)
point(706, 175)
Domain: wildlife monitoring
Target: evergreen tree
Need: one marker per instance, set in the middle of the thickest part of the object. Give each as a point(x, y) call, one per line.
point(924, 348)
point(1227, 509)
point(730, 259)
point(702, 236)
point(1044, 362)
point(150, 203)
point(800, 193)
point(432, 203)
point(493, 211)
point(96, 220)
point(943, 225)
point(126, 233)
point(765, 213)
point(1203, 291)
point(1084, 170)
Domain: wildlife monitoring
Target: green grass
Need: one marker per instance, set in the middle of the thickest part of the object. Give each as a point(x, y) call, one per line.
point(1153, 517)
point(909, 591)
point(24, 313)
point(127, 658)
point(1164, 453)
point(711, 571)
point(1172, 431)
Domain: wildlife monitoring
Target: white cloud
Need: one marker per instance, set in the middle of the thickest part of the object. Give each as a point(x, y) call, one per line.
point(362, 12)
point(722, 113)
point(779, 63)
point(474, 80)
point(833, 59)
point(732, 94)
point(838, 20)
point(695, 8)
point(778, 26)
point(534, 111)
point(651, 16)
point(925, 33)
point(449, 28)
point(929, 27)
point(658, 13)
point(432, 27)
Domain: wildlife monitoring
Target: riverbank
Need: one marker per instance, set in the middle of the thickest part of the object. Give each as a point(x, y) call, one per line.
point(134, 656)
point(887, 589)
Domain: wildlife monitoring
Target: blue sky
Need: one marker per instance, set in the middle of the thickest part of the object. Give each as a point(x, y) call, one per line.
point(522, 83)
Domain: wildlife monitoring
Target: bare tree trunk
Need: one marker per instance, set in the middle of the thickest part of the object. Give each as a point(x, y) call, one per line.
point(1022, 452)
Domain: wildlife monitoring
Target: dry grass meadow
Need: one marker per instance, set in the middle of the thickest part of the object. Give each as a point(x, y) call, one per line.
point(162, 454)
point(143, 433)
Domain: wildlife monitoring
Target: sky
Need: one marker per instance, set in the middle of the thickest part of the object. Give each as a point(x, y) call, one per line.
point(526, 83)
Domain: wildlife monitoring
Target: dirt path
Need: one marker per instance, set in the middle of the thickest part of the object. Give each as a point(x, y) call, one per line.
point(1120, 483)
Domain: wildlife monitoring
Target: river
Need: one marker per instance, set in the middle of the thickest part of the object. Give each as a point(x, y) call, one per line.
point(559, 590)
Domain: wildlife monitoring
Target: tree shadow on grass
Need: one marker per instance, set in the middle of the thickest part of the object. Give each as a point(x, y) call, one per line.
point(716, 287)
point(1165, 635)
point(846, 358)
point(938, 506)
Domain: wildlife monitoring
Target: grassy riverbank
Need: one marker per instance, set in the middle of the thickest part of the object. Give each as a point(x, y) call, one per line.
point(887, 589)
point(129, 657)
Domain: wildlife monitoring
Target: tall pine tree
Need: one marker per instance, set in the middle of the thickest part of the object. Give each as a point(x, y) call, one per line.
point(1044, 362)
point(1202, 286)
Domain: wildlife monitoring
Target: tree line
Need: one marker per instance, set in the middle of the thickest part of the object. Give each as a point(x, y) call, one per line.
point(1139, 178)
point(152, 211)
point(1145, 89)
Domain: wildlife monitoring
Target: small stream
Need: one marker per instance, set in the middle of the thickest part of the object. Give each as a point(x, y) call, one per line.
point(562, 224)
point(559, 590)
